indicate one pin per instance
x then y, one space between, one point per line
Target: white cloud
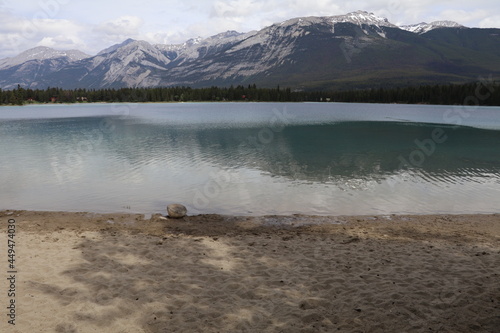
52 27
122 27
465 17
63 42
18 34
236 8
490 22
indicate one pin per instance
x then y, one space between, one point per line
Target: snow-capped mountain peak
421 28
358 18
193 41
361 17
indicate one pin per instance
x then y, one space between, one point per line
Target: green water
251 158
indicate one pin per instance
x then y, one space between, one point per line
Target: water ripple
341 167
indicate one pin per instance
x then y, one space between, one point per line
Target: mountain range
356 50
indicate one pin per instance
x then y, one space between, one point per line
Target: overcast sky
93 25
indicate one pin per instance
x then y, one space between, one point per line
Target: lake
251 158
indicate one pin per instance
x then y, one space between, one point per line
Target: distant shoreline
484 93
236 102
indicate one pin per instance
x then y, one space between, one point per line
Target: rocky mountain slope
347 51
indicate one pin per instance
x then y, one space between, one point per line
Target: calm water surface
251 158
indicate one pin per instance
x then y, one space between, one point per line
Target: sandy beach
85 272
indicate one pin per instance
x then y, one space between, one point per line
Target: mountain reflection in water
341 167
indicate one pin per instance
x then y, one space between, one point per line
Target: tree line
478 93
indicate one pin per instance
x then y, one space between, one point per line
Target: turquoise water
251 158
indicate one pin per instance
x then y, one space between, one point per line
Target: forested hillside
476 93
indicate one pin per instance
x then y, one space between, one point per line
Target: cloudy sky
93 25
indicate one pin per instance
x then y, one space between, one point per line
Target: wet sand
85 272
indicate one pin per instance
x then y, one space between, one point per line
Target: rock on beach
176 211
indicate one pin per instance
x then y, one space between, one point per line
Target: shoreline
215 273
238 101
133 219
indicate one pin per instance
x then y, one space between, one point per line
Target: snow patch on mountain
422 28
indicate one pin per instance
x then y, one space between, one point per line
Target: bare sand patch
84 272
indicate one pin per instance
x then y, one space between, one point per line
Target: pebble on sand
176 211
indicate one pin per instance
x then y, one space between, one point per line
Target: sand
83 272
